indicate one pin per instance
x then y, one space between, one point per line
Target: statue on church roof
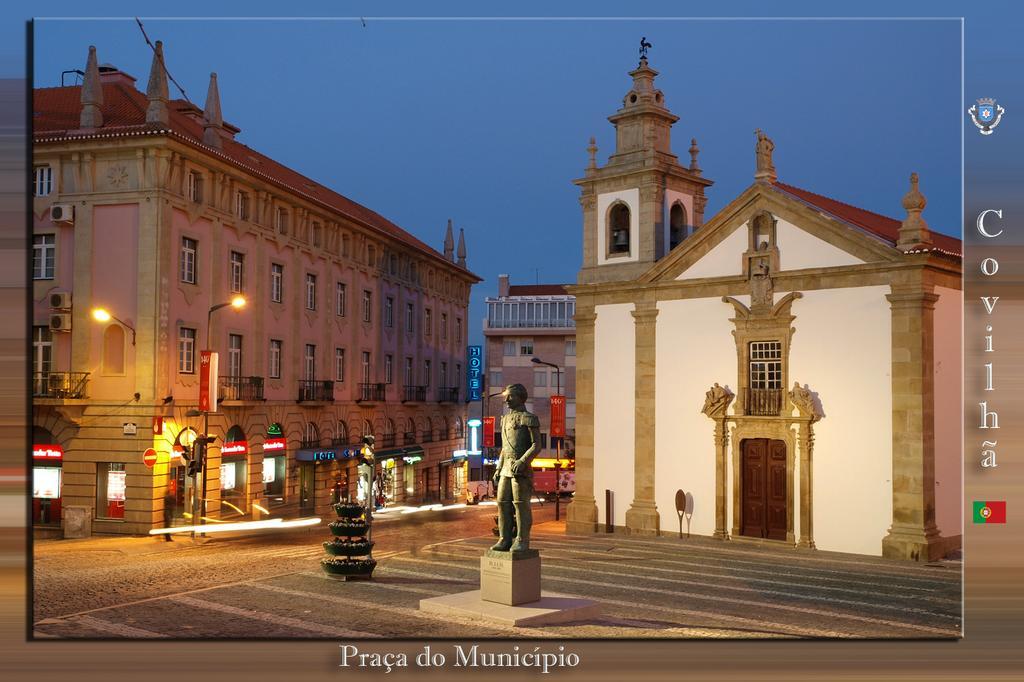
644 46
765 165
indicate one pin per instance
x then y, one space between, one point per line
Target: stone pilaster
806 491
913 534
721 498
581 515
642 516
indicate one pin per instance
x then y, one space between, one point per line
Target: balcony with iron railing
371 393
62 385
315 390
414 394
448 394
763 402
241 388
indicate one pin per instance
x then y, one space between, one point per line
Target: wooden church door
764 510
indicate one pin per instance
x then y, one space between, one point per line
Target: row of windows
512 314
524 347
311 433
187 272
187 361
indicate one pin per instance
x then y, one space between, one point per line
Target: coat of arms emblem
986 114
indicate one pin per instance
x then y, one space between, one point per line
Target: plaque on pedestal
510 578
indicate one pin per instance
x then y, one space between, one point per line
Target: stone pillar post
642 516
913 534
806 491
721 498
581 514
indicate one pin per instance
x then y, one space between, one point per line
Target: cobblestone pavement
648 587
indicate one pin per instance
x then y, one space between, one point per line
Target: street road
271 586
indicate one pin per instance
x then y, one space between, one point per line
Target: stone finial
156 89
213 122
92 94
914 231
763 152
449 243
694 151
592 151
462 249
806 402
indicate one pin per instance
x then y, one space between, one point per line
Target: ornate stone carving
117 176
806 401
762 289
717 401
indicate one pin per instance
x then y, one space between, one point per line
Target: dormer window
677 225
618 229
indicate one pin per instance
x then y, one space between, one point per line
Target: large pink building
149 208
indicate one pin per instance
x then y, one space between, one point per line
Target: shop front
275 466
308 460
47 467
234 459
396 475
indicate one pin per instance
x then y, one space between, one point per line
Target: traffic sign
149 457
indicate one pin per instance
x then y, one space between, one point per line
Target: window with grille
189 249
186 350
276 282
44 250
766 364
237 272
42 181
274 366
310 292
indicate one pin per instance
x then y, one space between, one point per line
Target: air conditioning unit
60 300
62 213
60 322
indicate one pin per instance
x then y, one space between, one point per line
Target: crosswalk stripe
402 611
908 572
731 600
119 629
271 618
794 630
568 553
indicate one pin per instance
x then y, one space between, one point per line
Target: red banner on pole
558 416
207 381
488 432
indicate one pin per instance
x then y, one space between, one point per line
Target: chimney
503 286
92 94
213 123
156 89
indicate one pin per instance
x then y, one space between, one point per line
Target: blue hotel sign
474 372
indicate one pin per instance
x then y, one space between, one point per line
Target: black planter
349 529
348 510
351 568
349 548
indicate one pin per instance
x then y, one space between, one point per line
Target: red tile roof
56 114
878 225
537 290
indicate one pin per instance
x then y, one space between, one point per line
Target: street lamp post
558 447
238 302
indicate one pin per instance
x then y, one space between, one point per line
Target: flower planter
348 548
348 528
348 510
350 568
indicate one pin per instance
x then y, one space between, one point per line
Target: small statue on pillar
762 289
763 151
717 401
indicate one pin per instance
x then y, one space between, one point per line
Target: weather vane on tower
644 45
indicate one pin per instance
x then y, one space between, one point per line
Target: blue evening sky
487 121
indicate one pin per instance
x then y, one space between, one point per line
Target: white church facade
788 371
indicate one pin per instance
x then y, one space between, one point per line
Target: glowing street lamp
102 315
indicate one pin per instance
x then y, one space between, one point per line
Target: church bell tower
642 203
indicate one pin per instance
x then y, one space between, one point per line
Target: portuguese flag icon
990 511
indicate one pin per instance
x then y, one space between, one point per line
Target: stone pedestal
510 578
510 594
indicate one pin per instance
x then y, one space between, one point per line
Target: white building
793 365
